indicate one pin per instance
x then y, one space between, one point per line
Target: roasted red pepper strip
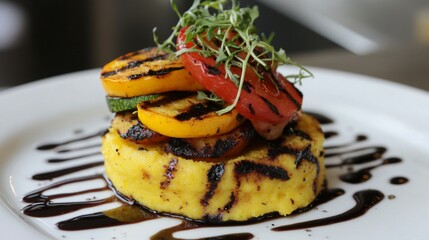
272 99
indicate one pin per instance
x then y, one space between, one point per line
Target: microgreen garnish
210 20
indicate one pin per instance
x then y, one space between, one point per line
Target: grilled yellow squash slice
147 71
277 176
183 115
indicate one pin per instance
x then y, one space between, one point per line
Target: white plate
391 115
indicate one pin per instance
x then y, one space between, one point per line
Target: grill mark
212 70
160 72
247 87
198 110
306 154
302 154
169 173
180 147
133 64
245 167
295 132
214 175
223 146
138 132
288 95
167 98
217 218
232 201
212 147
252 111
271 106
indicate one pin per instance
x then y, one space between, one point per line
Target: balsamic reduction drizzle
364 174
365 200
59 160
79 149
50 146
125 214
167 233
359 138
38 196
42 205
323 119
65 171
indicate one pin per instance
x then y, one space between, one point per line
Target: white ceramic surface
391 115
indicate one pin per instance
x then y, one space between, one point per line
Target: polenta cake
206 128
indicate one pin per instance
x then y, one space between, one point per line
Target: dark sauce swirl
365 200
346 154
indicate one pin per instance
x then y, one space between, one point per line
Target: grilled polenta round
268 177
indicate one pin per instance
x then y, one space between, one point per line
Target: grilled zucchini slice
116 104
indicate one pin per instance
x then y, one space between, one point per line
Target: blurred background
382 38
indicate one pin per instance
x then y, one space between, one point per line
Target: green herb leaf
210 19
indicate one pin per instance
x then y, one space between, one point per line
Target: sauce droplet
399 180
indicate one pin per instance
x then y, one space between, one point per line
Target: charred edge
214 175
181 148
198 110
212 218
245 167
160 72
252 111
249 131
239 117
138 132
169 173
212 70
222 146
271 106
133 64
289 96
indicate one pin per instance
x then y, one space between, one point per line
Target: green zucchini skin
117 104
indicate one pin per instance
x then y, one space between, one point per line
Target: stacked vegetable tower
206 128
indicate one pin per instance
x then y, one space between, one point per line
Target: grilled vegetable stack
209 139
